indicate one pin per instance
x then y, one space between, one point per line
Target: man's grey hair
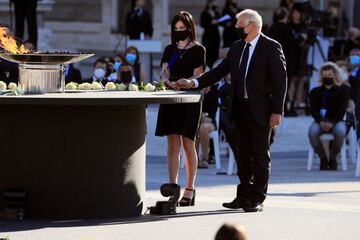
251 16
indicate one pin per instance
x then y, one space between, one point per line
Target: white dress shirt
251 52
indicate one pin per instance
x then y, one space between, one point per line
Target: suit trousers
26 10
252 154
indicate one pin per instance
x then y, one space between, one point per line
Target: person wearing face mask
328 104
229 34
211 35
138 21
257 67
354 80
125 74
132 57
184 57
100 72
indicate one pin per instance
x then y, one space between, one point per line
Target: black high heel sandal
186 202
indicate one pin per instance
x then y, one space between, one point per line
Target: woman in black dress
183 58
211 36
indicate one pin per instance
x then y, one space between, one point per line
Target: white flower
149 87
71 86
133 87
121 87
110 86
2 86
85 86
97 86
12 86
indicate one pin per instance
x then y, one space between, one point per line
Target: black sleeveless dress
181 119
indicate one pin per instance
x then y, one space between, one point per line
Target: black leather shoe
323 164
254 207
237 203
333 164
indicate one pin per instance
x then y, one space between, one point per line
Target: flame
9 44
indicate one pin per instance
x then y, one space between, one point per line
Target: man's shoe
254 207
333 164
237 203
323 164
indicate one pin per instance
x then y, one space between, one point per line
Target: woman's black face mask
126 76
182 35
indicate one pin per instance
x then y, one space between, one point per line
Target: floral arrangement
11 89
111 86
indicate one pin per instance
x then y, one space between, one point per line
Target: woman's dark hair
285 4
280 14
189 23
130 48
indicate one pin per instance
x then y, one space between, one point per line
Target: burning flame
9 44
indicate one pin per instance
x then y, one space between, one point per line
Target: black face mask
181 35
126 77
241 33
328 81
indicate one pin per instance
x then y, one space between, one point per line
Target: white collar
255 40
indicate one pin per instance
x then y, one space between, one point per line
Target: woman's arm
198 72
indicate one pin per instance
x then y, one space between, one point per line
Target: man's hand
275 120
183 84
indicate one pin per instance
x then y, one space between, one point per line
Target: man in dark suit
72 74
258 88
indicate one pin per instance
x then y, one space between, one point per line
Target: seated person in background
119 59
354 80
101 69
231 232
132 57
111 75
328 104
350 109
72 74
9 71
125 74
207 124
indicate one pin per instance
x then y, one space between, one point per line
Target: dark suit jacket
266 80
74 75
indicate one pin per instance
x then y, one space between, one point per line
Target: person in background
9 71
119 60
229 33
288 4
297 86
72 74
230 231
207 123
132 57
111 72
354 80
101 69
125 74
328 104
138 21
353 40
281 32
211 35
26 9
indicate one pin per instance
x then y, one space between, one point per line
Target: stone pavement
301 204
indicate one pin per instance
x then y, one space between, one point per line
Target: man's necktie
242 72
